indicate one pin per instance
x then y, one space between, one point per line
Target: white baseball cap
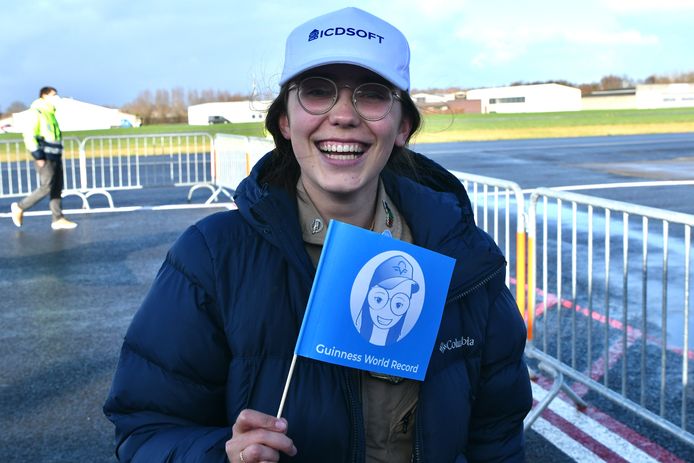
349 36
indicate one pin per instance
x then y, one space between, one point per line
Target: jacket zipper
353 403
477 285
417 454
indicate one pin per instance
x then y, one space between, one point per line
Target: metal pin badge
316 226
389 214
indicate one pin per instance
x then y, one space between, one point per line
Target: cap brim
397 81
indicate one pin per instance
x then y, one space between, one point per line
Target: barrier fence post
521 271
83 166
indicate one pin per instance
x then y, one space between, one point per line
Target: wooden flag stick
286 387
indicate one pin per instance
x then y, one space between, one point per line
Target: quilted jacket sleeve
504 396
167 396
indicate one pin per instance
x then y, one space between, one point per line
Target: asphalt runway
599 161
68 296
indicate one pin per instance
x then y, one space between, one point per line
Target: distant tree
162 106
178 103
171 106
587 89
541 82
682 77
613 82
16 107
142 106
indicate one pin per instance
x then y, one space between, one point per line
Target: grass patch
470 127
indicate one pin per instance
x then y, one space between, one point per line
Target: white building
664 96
527 98
623 98
75 115
231 111
647 96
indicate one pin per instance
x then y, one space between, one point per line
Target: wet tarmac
66 300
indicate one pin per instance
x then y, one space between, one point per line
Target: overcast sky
107 52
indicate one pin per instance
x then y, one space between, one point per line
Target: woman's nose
344 113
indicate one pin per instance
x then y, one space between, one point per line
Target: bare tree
16 107
178 104
612 82
142 106
171 106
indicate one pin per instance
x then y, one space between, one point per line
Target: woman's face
339 153
387 306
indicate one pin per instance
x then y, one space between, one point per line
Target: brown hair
283 169
46 91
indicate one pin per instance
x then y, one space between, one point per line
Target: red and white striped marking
592 436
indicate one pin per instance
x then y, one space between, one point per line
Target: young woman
205 359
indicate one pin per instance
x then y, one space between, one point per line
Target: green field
464 127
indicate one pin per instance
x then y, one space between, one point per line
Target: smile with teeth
341 150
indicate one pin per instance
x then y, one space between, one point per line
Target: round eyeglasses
318 95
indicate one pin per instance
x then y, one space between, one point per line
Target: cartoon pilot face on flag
389 297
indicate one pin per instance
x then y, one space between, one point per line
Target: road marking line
106 210
583 438
563 442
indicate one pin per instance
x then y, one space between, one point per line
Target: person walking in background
43 139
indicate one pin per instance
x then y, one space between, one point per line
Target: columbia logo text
348 31
456 344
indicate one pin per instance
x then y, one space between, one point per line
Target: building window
518 99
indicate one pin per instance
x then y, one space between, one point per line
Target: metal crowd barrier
233 158
504 202
607 318
18 176
127 161
101 164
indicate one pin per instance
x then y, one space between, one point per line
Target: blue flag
376 303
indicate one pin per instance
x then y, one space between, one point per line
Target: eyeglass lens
318 95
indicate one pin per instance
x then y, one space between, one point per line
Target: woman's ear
284 126
403 132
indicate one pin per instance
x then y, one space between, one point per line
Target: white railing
233 158
607 316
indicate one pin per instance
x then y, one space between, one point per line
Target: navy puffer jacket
216 335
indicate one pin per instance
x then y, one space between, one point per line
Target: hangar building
76 115
527 98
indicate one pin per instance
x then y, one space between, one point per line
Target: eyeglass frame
391 91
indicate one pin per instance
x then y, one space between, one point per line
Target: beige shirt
388 408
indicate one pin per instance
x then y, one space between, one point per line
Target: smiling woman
203 362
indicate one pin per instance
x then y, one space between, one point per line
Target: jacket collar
435 206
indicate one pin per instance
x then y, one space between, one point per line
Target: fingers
258 452
252 419
260 437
